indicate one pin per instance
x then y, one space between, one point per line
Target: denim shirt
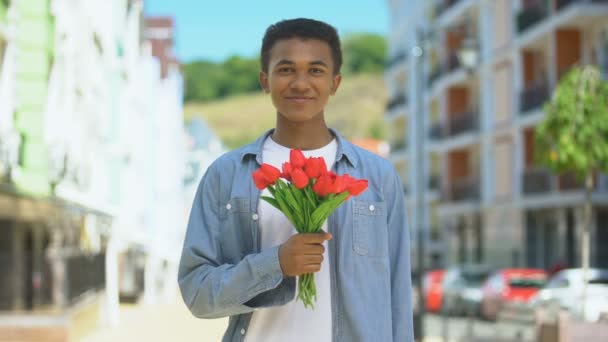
223 272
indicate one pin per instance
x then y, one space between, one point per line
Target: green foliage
206 81
364 52
574 134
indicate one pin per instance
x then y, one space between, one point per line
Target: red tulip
357 186
287 171
340 184
299 178
315 167
297 159
323 185
266 175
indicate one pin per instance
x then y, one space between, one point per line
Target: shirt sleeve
399 253
209 287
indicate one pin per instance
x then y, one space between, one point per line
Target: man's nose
300 82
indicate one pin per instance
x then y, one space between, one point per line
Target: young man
241 256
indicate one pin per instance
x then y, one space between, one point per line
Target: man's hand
302 253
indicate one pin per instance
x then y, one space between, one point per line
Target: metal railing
396 59
444 6
398 145
84 273
464 122
560 4
396 101
531 15
534 96
536 180
434 182
466 189
436 132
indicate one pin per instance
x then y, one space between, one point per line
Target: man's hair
302 28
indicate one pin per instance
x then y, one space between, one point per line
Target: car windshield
527 282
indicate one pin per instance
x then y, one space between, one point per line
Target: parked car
433 290
565 291
508 286
461 289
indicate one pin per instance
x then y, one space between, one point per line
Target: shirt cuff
268 268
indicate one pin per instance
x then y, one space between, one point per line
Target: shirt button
243 331
372 208
254 217
228 206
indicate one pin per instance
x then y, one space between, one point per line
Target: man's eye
285 70
316 71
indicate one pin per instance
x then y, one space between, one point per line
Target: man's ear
264 82
337 80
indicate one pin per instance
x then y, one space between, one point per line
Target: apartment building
486 199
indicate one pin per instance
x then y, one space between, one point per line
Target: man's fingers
312 259
316 237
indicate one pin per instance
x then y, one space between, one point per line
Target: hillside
356 110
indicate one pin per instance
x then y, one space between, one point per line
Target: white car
565 291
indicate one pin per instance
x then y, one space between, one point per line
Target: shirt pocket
235 232
370 228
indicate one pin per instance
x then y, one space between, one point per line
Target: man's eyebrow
285 61
319 63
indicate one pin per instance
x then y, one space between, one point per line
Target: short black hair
301 28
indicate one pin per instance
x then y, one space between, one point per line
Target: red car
433 290
510 285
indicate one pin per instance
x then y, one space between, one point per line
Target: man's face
300 78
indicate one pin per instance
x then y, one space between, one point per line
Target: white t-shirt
292 321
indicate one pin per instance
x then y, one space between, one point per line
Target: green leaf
271 201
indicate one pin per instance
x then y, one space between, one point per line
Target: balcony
436 132
434 182
396 101
560 4
463 123
534 96
398 146
531 15
396 59
443 6
536 180
466 189
453 62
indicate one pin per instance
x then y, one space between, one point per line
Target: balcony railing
453 62
462 123
84 273
531 15
536 180
444 6
436 72
396 102
436 132
534 96
434 182
396 59
560 4
462 190
398 145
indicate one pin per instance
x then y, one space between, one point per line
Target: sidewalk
171 322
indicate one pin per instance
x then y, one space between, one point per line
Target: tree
574 137
364 52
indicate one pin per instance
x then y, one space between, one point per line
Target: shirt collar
345 148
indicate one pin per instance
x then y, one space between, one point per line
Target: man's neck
302 135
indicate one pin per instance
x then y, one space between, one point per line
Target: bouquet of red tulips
307 193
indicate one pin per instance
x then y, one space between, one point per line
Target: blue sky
217 29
